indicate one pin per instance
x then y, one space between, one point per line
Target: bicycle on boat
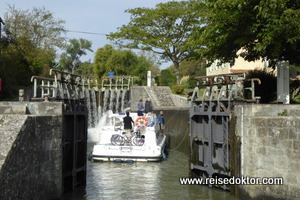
121 139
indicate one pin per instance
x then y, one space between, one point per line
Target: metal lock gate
210 122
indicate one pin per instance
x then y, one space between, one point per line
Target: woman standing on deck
140 108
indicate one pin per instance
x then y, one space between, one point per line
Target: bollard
21 95
257 100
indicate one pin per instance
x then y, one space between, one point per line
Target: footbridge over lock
115 92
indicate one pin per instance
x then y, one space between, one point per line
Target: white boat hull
109 152
151 151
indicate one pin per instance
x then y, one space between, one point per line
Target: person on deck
148 106
140 108
161 121
128 124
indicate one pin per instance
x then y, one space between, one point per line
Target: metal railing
63 85
114 82
227 87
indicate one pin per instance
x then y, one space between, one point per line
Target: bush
178 89
192 82
295 91
268 87
166 78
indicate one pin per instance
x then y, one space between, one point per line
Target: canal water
157 180
151 180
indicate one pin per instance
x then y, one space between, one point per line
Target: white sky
96 16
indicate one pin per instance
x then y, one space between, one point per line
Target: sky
93 16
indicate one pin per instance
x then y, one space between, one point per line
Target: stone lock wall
161 96
177 129
31 154
270 147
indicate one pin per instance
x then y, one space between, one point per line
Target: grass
187 90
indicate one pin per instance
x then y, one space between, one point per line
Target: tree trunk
176 66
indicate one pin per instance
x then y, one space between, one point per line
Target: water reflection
160 180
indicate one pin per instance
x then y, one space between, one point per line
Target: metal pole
0 28
1 22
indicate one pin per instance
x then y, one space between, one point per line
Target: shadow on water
153 180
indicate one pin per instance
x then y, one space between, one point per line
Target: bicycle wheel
112 139
138 141
119 140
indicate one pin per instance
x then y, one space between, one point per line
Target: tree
151 57
122 62
166 78
70 59
33 35
28 45
164 30
262 28
192 69
268 87
100 59
86 69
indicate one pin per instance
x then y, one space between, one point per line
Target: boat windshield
113 121
151 119
118 120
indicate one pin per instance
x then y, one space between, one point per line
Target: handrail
63 85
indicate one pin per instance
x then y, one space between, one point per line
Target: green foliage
296 99
151 57
295 91
164 30
101 58
166 78
70 59
86 69
178 89
33 35
283 113
192 82
27 46
8 75
122 62
263 28
268 87
192 68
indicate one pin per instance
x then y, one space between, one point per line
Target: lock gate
75 93
210 122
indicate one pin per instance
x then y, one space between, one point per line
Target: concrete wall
270 147
177 130
181 101
31 151
161 96
137 93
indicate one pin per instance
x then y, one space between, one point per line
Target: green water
157 180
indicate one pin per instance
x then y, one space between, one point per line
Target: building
240 65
